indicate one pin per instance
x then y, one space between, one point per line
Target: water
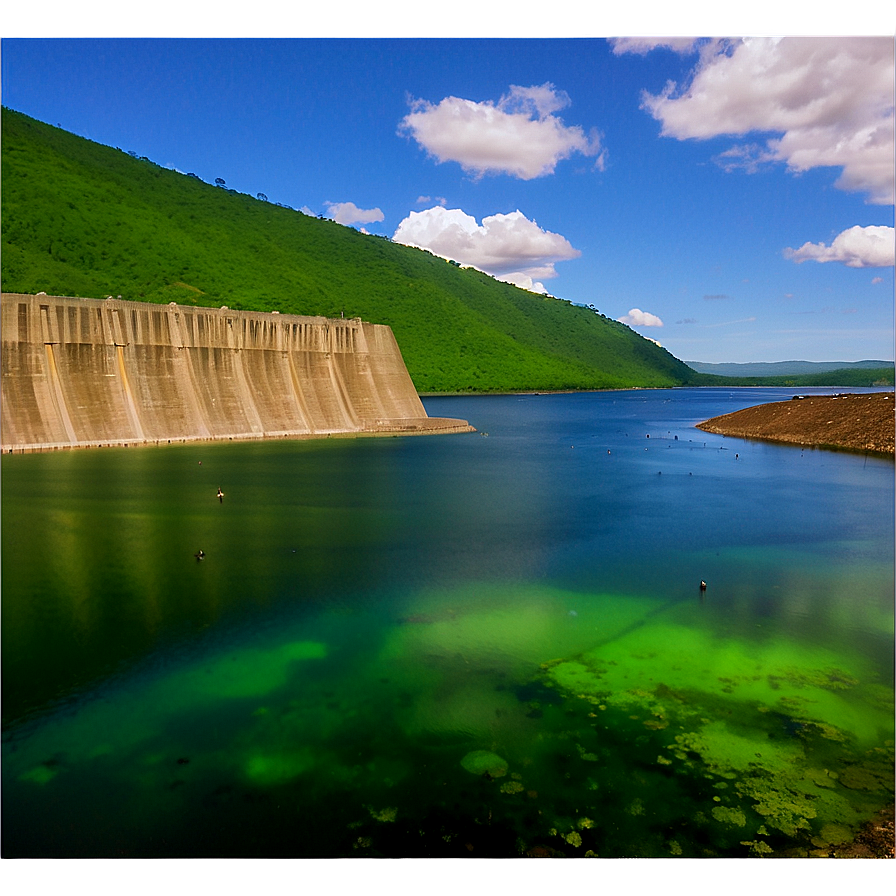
456 646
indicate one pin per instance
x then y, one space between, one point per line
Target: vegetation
772 747
846 376
84 219
783 368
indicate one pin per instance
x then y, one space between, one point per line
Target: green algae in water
134 720
723 751
512 787
874 775
515 626
302 741
832 835
739 727
251 672
386 815
727 815
668 665
758 847
269 769
482 762
41 774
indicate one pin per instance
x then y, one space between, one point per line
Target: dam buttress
80 373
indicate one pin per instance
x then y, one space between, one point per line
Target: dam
80 373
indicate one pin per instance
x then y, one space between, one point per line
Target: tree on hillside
220 182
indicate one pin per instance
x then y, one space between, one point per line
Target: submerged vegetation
776 777
431 745
83 219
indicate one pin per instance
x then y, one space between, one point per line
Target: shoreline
643 389
450 427
855 422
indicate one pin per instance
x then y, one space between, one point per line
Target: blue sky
745 214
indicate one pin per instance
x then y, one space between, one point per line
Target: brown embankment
90 372
859 422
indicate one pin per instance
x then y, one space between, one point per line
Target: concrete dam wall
91 372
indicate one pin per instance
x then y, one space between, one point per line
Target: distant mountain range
784 368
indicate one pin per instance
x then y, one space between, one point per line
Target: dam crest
80 373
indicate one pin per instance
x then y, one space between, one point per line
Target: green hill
83 219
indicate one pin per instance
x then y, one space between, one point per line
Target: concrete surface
90 372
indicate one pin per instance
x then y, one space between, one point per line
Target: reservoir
491 644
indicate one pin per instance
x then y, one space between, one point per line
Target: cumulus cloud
830 98
858 247
638 318
349 213
509 247
519 135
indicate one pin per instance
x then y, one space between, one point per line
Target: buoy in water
702 585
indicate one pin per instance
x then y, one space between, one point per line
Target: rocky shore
854 422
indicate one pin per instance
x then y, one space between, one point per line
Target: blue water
487 644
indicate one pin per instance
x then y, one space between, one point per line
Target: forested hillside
82 219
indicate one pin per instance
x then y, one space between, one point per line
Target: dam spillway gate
82 372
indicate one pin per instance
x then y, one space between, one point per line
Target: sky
730 198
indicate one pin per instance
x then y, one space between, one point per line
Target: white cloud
643 45
638 318
831 99
858 247
509 247
749 157
349 213
519 135
524 280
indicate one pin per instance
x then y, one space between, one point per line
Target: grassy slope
88 220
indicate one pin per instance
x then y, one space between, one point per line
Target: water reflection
371 612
